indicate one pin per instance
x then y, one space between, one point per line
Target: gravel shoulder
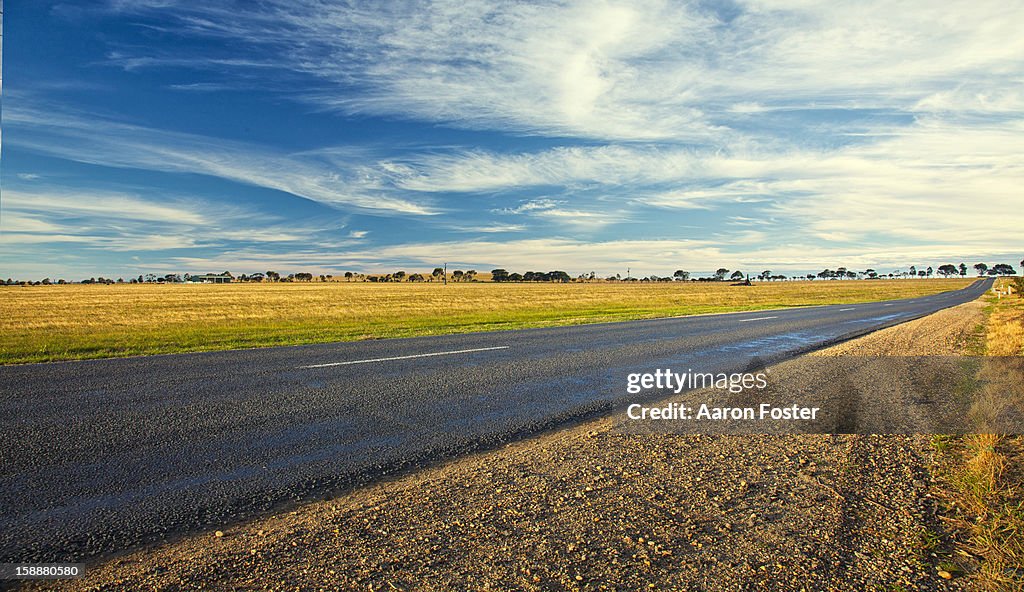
589 508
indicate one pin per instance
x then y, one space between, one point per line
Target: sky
171 136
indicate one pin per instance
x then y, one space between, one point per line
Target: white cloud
14 221
576 218
532 205
98 204
491 228
488 171
581 219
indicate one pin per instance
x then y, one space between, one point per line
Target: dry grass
1006 329
46 323
984 474
988 508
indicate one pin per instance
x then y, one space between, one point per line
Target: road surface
99 456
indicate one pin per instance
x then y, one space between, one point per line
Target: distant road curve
99 456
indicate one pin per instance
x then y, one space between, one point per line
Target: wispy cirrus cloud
918 178
105 205
114 221
101 141
654 70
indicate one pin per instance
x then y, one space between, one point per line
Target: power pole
445 274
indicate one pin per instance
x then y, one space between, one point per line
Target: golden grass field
45 323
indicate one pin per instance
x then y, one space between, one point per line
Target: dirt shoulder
588 508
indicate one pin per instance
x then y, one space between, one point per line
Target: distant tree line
504 276
501 275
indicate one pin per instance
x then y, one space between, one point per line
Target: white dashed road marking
444 353
757 319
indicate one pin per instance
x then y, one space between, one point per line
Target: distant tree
981 268
416 277
273 276
1003 269
765 275
841 272
457 275
913 270
810 276
498 275
921 273
514 277
871 273
348 276
947 270
929 271
46 281
470 275
681 275
720 273
736 275
962 269
399 276
438 273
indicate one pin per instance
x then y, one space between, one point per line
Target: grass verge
983 477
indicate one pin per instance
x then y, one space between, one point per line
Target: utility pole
627 274
444 276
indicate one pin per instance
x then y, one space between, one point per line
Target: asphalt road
100 456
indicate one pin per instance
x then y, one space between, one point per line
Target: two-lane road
102 455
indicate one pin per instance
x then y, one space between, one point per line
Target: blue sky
300 135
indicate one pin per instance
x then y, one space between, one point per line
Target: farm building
213 278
